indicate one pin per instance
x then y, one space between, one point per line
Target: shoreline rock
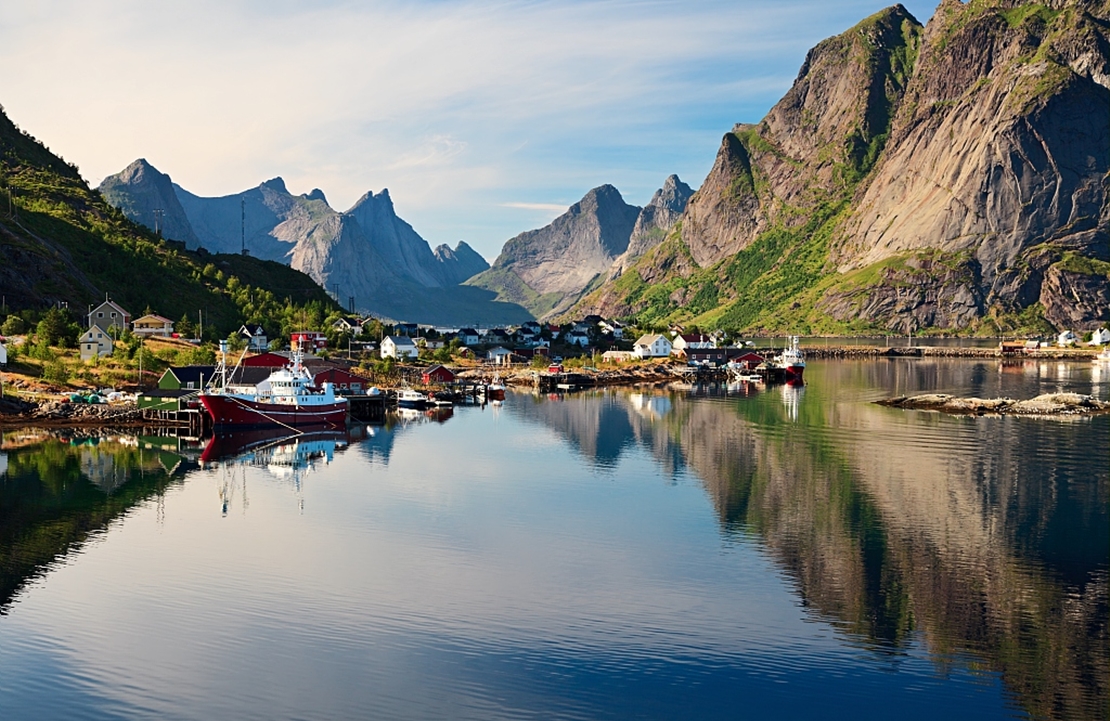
1049 404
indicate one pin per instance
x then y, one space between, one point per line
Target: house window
189 385
99 315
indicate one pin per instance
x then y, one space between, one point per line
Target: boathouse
341 379
438 374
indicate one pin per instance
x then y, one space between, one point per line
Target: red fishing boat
288 397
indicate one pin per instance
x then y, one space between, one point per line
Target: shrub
55 372
13 325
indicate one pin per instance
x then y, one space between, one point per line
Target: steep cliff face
817 140
654 222
147 196
910 178
1000 154
460 263
549 268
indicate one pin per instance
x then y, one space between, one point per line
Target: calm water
795 552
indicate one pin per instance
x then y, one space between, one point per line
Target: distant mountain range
367 252
950 176
548 270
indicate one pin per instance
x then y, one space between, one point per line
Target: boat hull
233 411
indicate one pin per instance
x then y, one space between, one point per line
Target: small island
1049 404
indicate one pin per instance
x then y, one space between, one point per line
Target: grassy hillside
60 242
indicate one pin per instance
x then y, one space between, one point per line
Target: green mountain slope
62 243
951 177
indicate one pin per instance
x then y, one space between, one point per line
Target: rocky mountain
367 252
548 269
654 222
63 245
147 196
951 176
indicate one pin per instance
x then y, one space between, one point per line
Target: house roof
111 304
253 329
438 367
399 340
191 374
650 338
467 331
154 317
694 337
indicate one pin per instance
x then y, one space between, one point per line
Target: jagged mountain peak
277 184
316 194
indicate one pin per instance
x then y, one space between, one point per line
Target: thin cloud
547 207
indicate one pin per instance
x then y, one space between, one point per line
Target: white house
652 345
1066 338
95 342
3 355
153 324
578 339
1100 337
256 337
499 356
109 314
399 347
693 341
469 336
614 328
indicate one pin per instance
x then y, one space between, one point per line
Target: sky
483 119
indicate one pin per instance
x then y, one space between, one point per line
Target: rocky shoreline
1049 404
18 413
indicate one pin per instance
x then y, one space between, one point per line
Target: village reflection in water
986 539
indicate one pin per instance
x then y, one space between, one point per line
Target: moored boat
495 391
792 361
409 398
288 397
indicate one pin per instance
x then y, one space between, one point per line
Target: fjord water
712 553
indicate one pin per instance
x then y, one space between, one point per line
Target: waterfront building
652 345
398 347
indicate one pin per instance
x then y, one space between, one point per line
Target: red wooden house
438 374
343 381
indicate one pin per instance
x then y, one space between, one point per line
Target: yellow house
95 342
153 325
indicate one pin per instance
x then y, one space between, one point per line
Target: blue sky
484 119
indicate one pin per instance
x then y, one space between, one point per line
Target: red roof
266 360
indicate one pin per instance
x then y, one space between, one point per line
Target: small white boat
1104 356
408 398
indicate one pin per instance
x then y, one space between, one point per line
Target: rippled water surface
712 553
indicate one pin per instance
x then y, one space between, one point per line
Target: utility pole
351 304
243 224
158 221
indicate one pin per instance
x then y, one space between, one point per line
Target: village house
613 328
94 342
687 341
499 356
617 356
109 314
398 348
468 336
531 326
652 345
309 340
344 382
706 356
577 338
153 325
347 324
186 377
1066 338
438 374
256 337
406 329
1100 337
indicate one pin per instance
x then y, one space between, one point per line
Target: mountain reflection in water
525 560
988 536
